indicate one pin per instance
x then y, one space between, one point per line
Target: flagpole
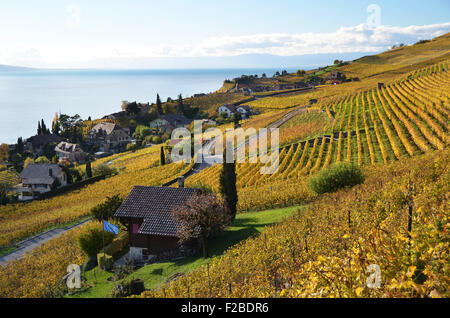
103 237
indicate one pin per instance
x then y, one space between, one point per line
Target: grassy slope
400 60
245 225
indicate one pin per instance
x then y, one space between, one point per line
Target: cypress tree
159 104
180 105
39 130
227 186
19 148
163 157
88 170
44 129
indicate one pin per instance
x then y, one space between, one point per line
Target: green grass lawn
245 225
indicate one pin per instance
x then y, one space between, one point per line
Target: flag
110 227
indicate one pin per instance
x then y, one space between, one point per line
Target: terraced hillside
326 250
405 119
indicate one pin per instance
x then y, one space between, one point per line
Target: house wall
154 244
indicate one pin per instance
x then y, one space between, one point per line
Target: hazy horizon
179 34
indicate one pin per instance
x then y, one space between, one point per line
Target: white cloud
361 38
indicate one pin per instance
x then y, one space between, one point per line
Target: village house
40 178
110 137
148 213
37 143
227 109
244 110
335 77
297 85
170 122
230 109
72 152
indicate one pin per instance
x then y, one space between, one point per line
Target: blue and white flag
110 227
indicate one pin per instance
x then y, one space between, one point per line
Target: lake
29 96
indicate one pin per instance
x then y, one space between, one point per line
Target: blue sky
77 33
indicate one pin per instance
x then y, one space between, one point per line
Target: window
135 228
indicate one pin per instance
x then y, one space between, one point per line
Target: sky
132 33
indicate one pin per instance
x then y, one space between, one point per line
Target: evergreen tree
163 157
227 186
43 127
39 130
88 170
159 104
180 106
19 147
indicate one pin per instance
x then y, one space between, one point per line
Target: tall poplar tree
159 104
227 186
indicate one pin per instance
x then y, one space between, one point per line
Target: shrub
91 240
337 176
131 147
42 159
103 170
156 139
121 290
117 246
106 209
105 261
89 264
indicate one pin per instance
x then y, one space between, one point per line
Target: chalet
244 110
227 109
170 122
37 143
40 178
72 152
230 109
110 137
335 75
151 226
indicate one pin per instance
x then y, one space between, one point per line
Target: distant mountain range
267 61
7 68
262 61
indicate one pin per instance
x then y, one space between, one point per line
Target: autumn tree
202 216
4 152
106 209
5 186
55 125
